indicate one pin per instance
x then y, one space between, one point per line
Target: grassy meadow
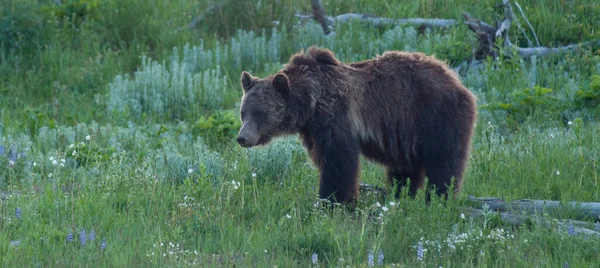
118 125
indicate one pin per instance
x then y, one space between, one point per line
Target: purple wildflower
420 251
1 150
371 261
18 213
571 229
82 237
92 235
15 243
12 155
315 258
380 258
103 244
566 265
70 236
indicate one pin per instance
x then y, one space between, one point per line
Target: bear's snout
242 141
247 137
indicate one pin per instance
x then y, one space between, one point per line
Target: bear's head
264 109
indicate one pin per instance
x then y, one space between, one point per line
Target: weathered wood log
379 21
531 206
570 227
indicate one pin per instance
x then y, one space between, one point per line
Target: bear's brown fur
407 111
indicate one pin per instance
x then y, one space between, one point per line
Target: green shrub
220 126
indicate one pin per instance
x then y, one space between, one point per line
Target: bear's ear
247 80
281 83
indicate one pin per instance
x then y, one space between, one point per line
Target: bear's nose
242 140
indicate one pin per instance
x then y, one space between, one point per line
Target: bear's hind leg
440 173
400 180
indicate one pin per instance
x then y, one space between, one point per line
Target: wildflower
15 243
420 251
569 123
70 236
462 216
253 174
11 163
82 237
50 175
1 150
384 208
18 213
377 204
72 145
190 171
571 229
380 258
92 235
288 216
370 261
103 244
557 172
34 164
392 204
315 258
74 153
54 162
88 137
236 184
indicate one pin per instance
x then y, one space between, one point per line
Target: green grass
160 186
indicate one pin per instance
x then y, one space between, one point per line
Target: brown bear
407 111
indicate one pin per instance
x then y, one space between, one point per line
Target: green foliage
529 101
590 95
75 10
221 126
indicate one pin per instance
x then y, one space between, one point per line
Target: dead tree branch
319 15
200 18
537 41
489 34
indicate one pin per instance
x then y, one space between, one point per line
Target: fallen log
531 206
570 227
327 22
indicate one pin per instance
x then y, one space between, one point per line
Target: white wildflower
190 171
253 174
288 216
88 137
569 123
72 145
74 153
392 204
54 162
384 208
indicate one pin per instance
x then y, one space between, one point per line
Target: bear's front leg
338 153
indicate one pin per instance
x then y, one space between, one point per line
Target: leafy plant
219 126
590 95
527 102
